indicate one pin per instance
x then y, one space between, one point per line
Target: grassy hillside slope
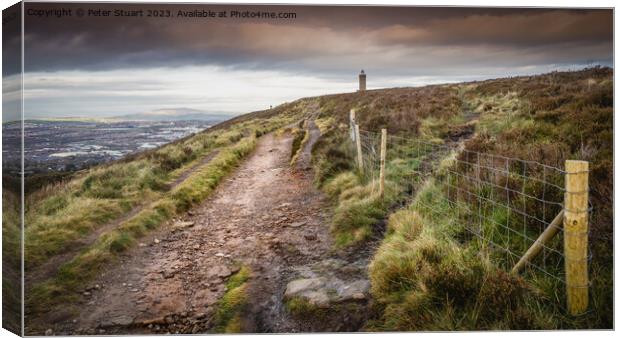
428 273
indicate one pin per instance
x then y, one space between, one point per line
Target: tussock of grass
359 209
406 223
325 123
302 308
423 280
342 182
300 137
228 316
48 235
434 129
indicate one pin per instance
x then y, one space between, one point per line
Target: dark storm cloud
323 40
11 39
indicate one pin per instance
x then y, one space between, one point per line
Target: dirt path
267 216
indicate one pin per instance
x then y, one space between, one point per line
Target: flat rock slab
298 224
182 224
300 286
219 271
357 290
117 321
322 292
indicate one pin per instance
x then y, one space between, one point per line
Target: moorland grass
429 273
228 316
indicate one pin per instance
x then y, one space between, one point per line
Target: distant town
63 146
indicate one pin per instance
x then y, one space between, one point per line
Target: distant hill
174 114
166 114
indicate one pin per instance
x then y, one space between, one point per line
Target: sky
99 66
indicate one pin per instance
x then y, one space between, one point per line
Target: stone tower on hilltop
362 81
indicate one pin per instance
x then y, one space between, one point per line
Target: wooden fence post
382 170
576 236
358 142
352 124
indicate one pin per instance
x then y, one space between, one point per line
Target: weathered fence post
352 124
576 236
382 170
358 142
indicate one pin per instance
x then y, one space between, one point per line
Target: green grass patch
302 308
424 280
228 316
426 276
359 208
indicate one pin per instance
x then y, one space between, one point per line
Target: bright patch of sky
211 89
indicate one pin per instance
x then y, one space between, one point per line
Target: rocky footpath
267 217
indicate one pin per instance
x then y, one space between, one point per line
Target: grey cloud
323 40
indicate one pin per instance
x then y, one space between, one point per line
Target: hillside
430 272
174 114
413 246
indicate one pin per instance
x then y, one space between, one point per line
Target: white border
469 3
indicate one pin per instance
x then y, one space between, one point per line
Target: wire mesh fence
502 203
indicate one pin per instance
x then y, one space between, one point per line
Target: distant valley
73 144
